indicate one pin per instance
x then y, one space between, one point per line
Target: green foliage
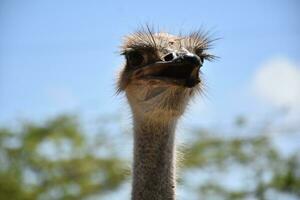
54 161
288 178
255 156
213 150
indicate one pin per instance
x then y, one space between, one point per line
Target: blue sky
62 56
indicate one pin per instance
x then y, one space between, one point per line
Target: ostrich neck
154 165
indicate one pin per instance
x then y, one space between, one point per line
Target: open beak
182 69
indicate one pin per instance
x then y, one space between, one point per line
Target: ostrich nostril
168 57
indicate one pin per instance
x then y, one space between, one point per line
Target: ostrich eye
135 58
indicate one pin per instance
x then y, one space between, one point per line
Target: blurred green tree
55 160
260 167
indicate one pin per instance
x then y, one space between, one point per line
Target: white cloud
277 82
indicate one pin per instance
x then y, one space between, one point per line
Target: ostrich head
162 72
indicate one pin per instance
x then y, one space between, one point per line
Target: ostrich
160 76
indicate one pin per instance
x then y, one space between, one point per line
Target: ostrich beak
182 69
